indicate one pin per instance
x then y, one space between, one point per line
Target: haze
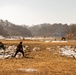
31 12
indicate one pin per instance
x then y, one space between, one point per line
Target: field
42 62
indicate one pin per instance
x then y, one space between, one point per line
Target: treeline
10 29
55 30
46 29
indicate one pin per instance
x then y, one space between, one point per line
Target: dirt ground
45 62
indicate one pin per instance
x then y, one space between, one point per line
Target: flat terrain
44 62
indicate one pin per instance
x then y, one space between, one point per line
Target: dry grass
46 62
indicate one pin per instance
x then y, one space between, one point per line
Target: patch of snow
19 55
5 56
68 51
59 41
1 37
36 49
28 69
48 48
47 41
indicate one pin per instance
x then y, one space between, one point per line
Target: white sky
31 12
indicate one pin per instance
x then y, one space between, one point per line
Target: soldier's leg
22 53
16 53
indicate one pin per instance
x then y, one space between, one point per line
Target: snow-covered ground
68 51
59 41
10 51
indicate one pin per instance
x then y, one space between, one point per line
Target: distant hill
10 29
55 30
45 29
49 30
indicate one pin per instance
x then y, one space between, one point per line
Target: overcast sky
31 12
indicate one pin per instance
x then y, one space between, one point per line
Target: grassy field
44 61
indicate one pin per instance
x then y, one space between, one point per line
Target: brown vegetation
46 62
